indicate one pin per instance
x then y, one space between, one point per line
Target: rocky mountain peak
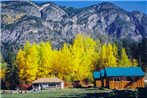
23 21
44 6
105 5
47 5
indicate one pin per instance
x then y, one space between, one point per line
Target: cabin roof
129 71
102 72
48 80
96 75
119 71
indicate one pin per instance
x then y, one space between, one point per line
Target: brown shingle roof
47 80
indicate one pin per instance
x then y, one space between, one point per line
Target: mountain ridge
59 24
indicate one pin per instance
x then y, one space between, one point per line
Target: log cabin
120 78
98 80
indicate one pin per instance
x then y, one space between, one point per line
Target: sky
128 5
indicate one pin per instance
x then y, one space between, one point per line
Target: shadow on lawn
97 95
113 94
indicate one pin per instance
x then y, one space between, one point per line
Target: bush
25 86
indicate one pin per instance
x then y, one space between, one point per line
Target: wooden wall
126 84
105 83
98 83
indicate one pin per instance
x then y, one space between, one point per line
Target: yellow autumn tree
71 62
84 55
32 62
124 61
66 61
27 61
103 56
20 61
62 63
2 70
77 54
115 51
45 57
56 63
111 58
134 62
108 55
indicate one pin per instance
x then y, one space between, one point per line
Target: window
117 79
137 78
129 78
123 78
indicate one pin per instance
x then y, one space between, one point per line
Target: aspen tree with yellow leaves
21 64
74 62
61 63
45 60
124 62
108 56
103 56
84 55
111 58
27 62
2 70
134 62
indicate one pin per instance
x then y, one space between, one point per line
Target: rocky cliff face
24 20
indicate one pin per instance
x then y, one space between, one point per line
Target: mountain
25 20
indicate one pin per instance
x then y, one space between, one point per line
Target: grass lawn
59 93
64 93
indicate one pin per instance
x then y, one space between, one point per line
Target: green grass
71 93
59 93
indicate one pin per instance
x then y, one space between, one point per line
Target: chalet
47 83
120 78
